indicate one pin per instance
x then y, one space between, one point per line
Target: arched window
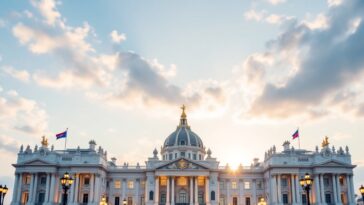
151 195
212 195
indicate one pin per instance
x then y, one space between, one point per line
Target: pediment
36 162
182 164
333 163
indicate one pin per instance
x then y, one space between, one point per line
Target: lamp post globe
361 189
306 183
124 201
3 191
66 182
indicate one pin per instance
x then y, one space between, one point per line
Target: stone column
351 187
75 200
47 190
156 198
16 189
172 196
293 193
334 188
92 188
322 189
72 191
35 186
254 192
137 191
191 190
338 188
228 185
348 189
207 190
19 189
279 194
316 182
274 189
168 193
146 192
52 189
298 193
123 189
97 188
196 191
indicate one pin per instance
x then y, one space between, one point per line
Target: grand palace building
183 172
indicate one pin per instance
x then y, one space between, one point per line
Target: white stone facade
184 174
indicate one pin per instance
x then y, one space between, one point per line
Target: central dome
183 136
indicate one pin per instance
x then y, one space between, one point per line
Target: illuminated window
234 185
130 185
163 181
27 179
246 185
117 184
182 181
200 181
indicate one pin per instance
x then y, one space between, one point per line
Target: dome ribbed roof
183 136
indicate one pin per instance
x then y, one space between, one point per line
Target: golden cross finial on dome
183 116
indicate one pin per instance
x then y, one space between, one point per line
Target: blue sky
250 72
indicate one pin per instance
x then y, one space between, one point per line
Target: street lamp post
306 183
3 191
361 189
66 182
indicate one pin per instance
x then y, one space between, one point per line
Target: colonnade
317 193
172 197
29 193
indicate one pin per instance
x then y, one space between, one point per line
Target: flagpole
65 141
299 140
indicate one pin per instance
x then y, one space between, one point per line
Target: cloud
21 75
321 63
9 144
334 2
18 113
116 37
275 2
263 16
48 10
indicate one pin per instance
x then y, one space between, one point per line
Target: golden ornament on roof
325 142
44 141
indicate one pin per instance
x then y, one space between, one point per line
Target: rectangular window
85 198
41 197
194 157
234 185
200 181
328 198
130 200
199 157
222 201
117 184
27 179
326 181
259 185
189 155
86 181
175 155
284 182
43 180
246 185
247 200
117 201
25 197
183 154
222 185
130 184
170 156
142 200
304 199
341 180
285 198
200 198
163 198
235 200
